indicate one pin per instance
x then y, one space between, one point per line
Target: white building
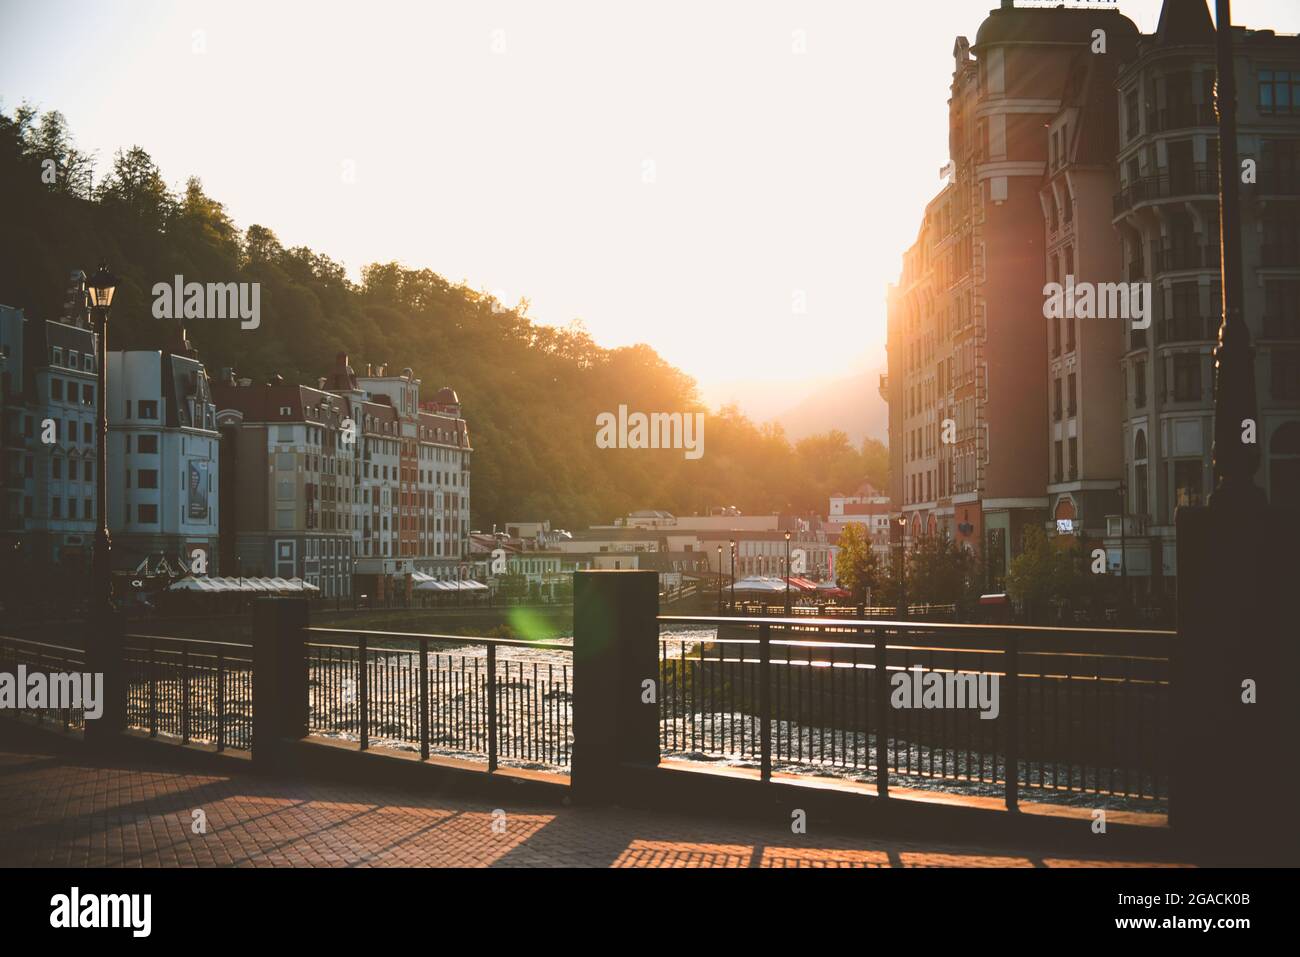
163 459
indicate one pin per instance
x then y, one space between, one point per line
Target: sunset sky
671 172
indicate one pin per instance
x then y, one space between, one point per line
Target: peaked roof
1184 22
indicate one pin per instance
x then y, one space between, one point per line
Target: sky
733 183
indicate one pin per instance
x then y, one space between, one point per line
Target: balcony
1187 329
1278 183
1188 256
1179 116
1191 182
1280 254
1281 327
884 386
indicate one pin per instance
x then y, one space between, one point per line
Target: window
1131 113
56 390
56 468
1279 91
56 508
73 392
1140 384
87 394
147 444
148 409
1187 378
1187 482
1285 374
1284 465
88 509
147 478
72 469
148 514
1071 393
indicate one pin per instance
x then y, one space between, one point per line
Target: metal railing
466 701
1080 711
46 658
197 691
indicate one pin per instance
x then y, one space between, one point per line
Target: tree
856 565
940 572
136 188
1041 574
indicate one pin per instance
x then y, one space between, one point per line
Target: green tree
856 565
940 572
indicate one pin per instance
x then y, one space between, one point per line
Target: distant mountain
853 405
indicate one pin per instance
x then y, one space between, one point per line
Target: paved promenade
58 810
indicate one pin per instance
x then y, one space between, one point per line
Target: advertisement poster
198 489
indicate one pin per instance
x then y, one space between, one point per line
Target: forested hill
530 392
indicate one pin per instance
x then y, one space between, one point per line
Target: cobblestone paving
57 810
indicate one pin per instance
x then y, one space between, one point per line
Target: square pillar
279 676
615 651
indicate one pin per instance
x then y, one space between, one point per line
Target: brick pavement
59 810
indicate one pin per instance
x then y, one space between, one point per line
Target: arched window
1284 465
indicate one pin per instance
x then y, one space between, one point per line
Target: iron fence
197 691
1078 711
471 700
45 658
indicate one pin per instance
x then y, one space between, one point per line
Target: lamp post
787 574
1122 488
902 567
733 576
100 288
719 579
1235 461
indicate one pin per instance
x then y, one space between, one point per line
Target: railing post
363 691
882 717
424 699
153 690
765 699
106 655
185 696
1011 714
492 706
280 688
221 700
615 663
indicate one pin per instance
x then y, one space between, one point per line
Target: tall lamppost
787 574
719 579
100 288
902 567
733 576
1122 488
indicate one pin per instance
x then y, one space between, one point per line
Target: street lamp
787 574
1122 489
733 576
100 288
902 567
719 579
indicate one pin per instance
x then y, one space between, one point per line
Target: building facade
1166 215
163 460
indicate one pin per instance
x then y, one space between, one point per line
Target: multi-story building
1166 213
430 485
163 459
1085 459
51 442
967 349
13 444
289 504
